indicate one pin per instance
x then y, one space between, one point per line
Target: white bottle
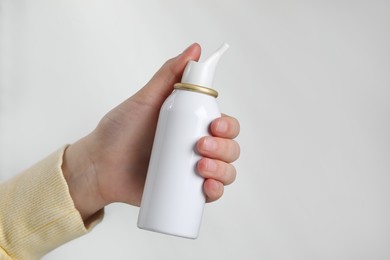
173 197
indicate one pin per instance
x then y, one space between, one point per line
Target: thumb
161 84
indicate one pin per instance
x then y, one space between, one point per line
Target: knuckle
226 173
234 151
237 128
233 126
233 173
230 174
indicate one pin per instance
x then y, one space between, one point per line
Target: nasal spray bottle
173 198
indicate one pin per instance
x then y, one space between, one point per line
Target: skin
110 164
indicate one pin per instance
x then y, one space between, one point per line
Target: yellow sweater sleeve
37 213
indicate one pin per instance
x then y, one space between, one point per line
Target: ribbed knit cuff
37 213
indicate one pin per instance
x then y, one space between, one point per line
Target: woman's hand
110 164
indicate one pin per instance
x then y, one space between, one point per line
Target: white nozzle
202 73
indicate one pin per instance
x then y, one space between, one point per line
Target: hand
110 164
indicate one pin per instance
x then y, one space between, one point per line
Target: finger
213 190
161 84
217 170
225 126
222 149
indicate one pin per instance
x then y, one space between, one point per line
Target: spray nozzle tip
223 48
202 73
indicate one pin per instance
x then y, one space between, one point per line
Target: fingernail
211 166
221 126
209 144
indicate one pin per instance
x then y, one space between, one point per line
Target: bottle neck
196 88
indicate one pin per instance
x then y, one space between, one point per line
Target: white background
308 80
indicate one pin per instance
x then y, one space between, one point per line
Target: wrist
79 173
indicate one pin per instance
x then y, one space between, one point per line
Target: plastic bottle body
173 198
